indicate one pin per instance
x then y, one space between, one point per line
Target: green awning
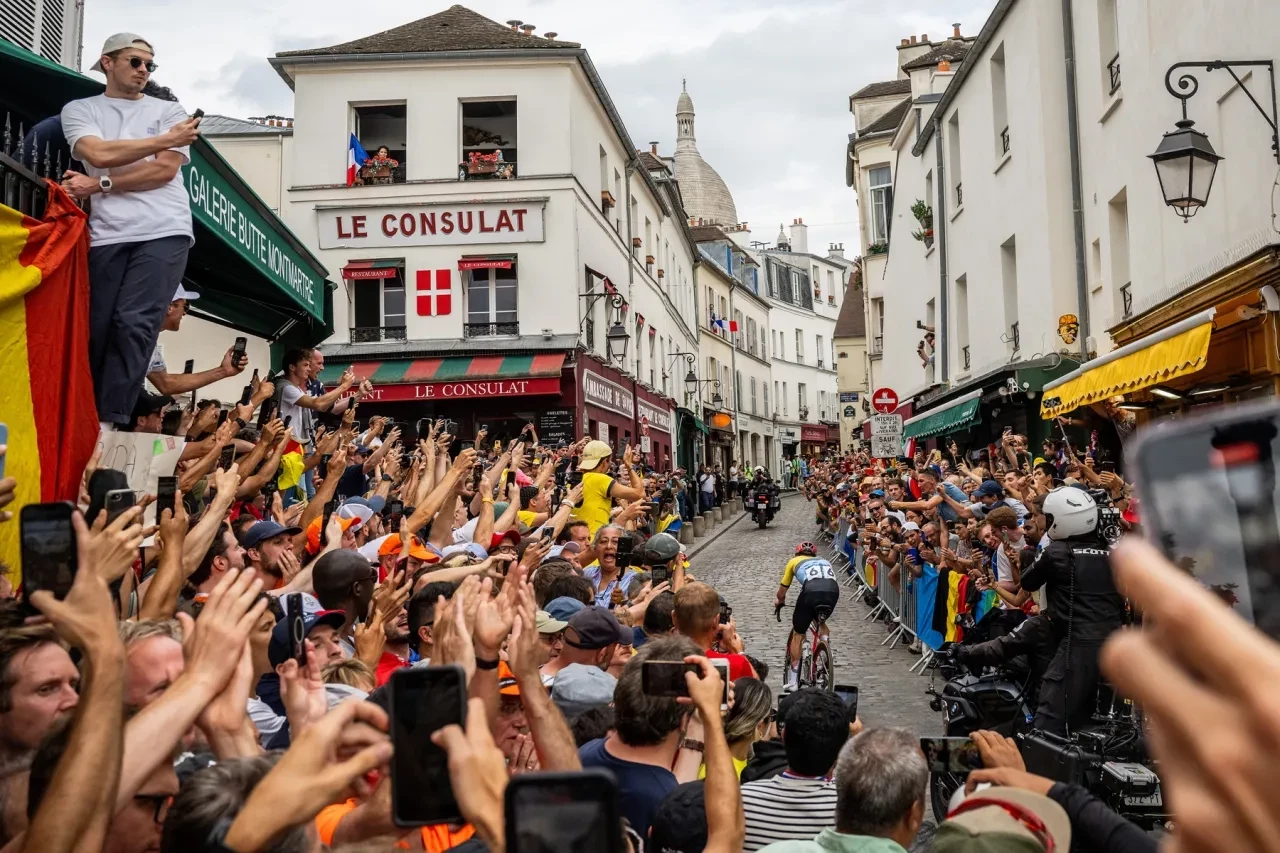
955 415
251 271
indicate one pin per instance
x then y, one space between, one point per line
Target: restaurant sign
389 226
462 390
600 392
659 419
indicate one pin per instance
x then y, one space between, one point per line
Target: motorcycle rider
818 586
761 482
1082 605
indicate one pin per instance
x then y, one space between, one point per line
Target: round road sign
885 400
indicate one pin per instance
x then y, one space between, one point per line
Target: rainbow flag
46 390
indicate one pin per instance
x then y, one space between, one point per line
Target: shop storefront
657 439
721 441
813 440
789 441
1212 345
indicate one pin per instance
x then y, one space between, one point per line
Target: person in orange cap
389 555
349 528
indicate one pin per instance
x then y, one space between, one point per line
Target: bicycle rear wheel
824 672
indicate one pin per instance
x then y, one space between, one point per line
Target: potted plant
924 215
880 248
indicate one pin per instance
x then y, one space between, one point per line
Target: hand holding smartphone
166 493
564 812
297 629
50 554
423 701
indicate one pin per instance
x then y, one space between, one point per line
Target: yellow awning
1177 351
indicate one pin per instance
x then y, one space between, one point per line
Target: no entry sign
885 401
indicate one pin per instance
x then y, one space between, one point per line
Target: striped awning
1181 349
454 368
956 415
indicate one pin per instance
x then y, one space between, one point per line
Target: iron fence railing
374 334
489 330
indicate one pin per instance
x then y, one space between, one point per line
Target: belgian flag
46 390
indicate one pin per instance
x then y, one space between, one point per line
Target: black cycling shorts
819 591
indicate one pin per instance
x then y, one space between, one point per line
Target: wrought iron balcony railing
489 330
374 334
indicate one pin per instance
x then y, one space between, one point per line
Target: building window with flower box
489 149
381 130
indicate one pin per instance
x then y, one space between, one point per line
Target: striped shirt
786 808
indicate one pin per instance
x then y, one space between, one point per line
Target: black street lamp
616 340
1185 160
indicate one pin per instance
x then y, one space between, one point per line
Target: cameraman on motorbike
1082 605
761 483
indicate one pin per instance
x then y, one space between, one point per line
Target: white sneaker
792 682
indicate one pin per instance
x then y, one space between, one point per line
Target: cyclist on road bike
818 586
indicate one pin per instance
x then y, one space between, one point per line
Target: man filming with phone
173 384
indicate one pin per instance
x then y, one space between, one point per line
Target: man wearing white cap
133 148
180 383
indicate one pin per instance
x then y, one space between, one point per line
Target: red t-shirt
388 664
739 666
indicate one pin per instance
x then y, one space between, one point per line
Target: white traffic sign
884 400
886 436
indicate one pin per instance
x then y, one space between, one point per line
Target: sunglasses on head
139 62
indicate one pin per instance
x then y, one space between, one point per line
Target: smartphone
329 509
228 457
190 366
726 613
1209 498
666 678
265 413
950 754
199 113
467 445
395 508
660 574
423 427
547 533
423 700
166 493
49 553
246 395
451 427
848 693
118 501
288 419
324 464
565 812
297 629
222 416
238 349
4 439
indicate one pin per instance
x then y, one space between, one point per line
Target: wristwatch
104 184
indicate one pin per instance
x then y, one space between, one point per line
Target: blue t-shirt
952 491
641 787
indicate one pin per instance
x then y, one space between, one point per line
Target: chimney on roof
924 38
913 39
653 148
551 36
904 43
514 24
944 66
836 251
800 237
955 32
528 29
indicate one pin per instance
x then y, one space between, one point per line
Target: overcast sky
770 79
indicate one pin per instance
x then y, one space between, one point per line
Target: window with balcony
818 353
999 103
880 185
753 395
378 303
737 389
1009 277
799 346
489 150
962 319
382 132
802 400
1109 45
492 301
784 398
953 139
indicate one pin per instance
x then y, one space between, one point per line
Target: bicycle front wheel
824 672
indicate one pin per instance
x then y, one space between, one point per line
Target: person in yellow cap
599 490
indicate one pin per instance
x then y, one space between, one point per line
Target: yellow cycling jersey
805 568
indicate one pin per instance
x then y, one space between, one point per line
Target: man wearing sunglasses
133 147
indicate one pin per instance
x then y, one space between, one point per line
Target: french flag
356 155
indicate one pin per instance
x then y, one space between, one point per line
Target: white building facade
50 28
485 260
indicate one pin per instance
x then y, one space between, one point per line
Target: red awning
365 269
484 264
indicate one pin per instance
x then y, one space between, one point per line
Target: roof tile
954 50
456 28
888 87
888 121
852 322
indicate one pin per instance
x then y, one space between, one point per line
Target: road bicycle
816 666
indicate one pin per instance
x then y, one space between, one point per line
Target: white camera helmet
1070 512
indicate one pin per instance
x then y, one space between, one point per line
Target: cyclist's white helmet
1070 512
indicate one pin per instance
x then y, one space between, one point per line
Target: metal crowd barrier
898 609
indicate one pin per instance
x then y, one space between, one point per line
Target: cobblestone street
745 563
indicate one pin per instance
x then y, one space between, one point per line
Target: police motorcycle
763 500
1106 755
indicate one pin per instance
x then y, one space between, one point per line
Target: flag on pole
356 155
47 394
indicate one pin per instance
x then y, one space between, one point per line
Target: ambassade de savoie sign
435 224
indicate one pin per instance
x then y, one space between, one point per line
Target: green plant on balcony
924 215
879 248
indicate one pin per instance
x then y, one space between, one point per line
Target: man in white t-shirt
133 148
296 404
